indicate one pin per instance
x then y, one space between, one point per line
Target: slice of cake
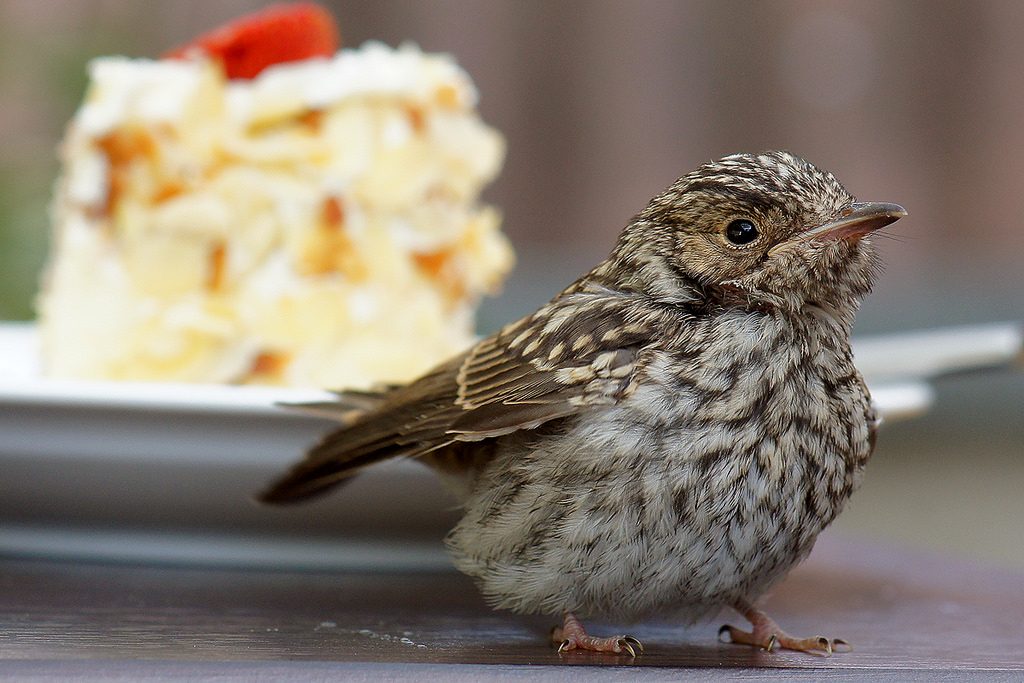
317 224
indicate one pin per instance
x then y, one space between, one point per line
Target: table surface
909 615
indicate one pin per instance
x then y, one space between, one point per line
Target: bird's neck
831 312
828 315
650 277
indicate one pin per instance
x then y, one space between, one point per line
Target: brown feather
506 383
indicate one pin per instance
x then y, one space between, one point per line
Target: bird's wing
580 350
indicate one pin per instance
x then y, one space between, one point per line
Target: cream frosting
319 225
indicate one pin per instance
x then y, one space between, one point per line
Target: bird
666 436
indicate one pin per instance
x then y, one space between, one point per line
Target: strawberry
286 32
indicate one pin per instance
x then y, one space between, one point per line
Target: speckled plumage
672 431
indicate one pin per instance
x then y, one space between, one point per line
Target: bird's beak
857 221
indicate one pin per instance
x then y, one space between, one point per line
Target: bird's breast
736 459
706 483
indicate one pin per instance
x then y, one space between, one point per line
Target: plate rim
25 386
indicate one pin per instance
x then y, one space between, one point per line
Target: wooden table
910 616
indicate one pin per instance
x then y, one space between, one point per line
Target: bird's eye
741 231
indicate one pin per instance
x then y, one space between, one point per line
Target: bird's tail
327 465
366 437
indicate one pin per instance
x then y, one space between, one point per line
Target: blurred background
604 103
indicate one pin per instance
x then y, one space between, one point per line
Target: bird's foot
572 636
767 635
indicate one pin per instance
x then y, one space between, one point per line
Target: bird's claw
828 646
572 636
619 645
840 645
779 640
767 635
631 645
616 644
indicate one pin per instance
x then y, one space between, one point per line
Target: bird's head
763 230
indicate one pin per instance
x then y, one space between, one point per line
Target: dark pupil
741 232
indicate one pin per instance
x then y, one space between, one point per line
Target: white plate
21 384
165 472
129 420
21 381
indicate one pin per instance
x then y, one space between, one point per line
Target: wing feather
545 367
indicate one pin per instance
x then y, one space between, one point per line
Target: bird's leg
766 634
571 636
